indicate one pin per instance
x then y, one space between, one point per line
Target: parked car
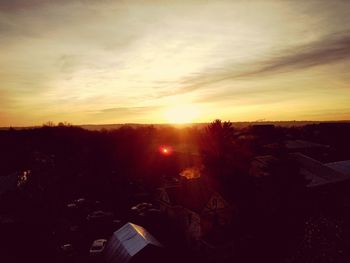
141 207
77 203
80 201
97 247
71 206
99 215
67 249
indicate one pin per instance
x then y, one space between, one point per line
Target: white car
80 200
71 206
141 207
97 247
67 250
99 215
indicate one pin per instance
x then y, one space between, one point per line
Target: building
132 243
342 167
312 149
320 174
328 184
261 165
267 176
198 210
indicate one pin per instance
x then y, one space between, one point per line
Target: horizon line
176 124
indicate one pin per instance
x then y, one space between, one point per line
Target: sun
181 114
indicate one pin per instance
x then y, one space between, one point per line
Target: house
320 174
263 170
328 184
132 243
301 145
312 149
265 133
316 150
261 165
342 167
197 209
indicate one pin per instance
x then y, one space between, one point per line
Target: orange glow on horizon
181 114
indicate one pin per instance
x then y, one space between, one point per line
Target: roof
341 167
128 241
265 160
192 194
300 144
261 165
318 173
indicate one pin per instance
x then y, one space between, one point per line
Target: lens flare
165 150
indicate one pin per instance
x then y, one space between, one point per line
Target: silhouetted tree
216 145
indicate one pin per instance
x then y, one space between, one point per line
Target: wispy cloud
22 5
328 50
124 114
129 110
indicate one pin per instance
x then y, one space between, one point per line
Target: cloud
13 5
325 51
127 109
328 50
21 5
125 113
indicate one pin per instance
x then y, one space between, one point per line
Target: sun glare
181 114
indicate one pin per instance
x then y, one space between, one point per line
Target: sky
152 61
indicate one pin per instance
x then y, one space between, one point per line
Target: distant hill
201 125
135 125
96 127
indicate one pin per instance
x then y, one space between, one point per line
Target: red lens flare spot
165 150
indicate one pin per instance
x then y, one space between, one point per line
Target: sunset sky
96 62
